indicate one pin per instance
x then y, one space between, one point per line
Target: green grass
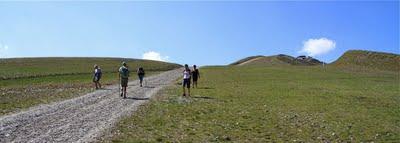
245 60
360 59
37 67
280 104
276 60
27 82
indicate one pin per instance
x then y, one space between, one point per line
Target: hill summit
369 59
280 59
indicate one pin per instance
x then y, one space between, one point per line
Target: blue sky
203 33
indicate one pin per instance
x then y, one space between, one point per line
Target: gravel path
82 119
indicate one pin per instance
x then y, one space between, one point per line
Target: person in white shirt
186 80
97 76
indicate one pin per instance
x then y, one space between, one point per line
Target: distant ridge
369 60
14 68
241 61
280 59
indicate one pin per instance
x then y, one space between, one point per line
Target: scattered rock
82 119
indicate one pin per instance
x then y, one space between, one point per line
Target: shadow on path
203 97
205 88
137 98
149 86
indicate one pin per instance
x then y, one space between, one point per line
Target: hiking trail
249 61
82 119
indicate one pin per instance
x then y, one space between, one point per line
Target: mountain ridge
368 60
280 59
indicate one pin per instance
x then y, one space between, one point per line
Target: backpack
124 72
99 73
141 71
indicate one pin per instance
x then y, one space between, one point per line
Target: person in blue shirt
123 76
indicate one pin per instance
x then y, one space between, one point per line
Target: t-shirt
195 73
186 74
97 72
123 72
140 72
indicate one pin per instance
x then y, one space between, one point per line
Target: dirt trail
82 119
249 61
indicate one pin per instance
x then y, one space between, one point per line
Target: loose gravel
83 119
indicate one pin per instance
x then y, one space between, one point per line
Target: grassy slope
31 81
370 60
276 60
245 60
34 67
267 61
261 104
262 61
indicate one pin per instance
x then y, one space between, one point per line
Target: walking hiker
195 75
186 80
97 76
140 73
123 76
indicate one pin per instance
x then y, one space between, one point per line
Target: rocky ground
82 119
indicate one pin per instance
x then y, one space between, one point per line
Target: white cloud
151 55
314 47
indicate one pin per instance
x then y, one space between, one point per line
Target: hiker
186 80
123 76
97 76
140 73
195 75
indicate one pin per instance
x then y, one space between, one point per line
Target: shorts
96 79
186 82
124 82
195 78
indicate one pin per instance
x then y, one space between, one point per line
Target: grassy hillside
369 60
34 67
246 59
26 82
272 104
276 60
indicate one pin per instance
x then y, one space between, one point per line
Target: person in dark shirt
195 76
140 73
